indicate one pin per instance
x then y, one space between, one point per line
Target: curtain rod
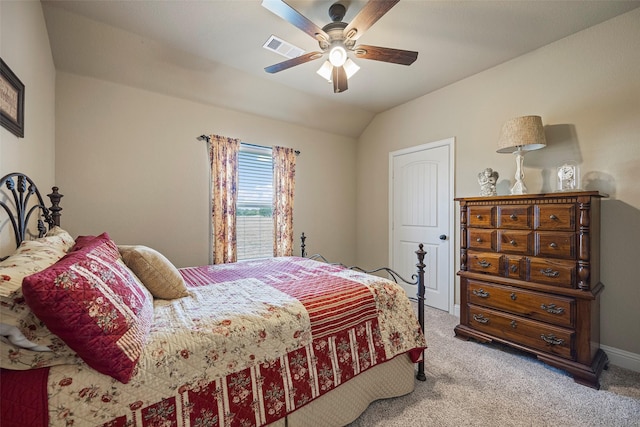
208 139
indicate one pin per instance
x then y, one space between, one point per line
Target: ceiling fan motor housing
335 29
337 12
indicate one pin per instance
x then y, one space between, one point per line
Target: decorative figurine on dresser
530 277
487 180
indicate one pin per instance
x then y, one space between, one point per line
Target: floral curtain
284 171
223 157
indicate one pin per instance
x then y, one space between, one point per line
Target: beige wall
24 47
129 163
587 90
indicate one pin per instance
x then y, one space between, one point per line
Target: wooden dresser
530 277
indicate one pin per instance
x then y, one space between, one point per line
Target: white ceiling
211 51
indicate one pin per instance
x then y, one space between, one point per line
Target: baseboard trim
622 358
456 310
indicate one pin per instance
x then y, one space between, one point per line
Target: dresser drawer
515 217
555 244
538 335
515 242
553 272
481 239
560 217
533 305
481 216
485 262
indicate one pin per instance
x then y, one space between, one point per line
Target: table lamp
518 136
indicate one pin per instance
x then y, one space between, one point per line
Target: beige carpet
473 384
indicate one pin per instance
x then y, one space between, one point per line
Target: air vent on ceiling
282 47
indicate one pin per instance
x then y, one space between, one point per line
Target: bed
96 333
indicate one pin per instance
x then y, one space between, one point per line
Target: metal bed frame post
55 208
420 265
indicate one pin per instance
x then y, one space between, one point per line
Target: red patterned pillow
82 241
96 304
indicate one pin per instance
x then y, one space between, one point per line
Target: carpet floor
474 384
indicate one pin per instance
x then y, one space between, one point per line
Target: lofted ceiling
210 51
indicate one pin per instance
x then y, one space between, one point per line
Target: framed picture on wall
11 101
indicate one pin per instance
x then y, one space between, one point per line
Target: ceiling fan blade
339 77
386 54
368 16
293 62
289 14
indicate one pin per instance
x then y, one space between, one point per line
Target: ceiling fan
338 38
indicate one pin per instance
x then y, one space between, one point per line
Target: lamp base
519 188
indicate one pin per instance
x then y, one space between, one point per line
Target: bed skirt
344 404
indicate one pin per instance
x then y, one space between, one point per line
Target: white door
421 209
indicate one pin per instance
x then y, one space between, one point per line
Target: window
254 220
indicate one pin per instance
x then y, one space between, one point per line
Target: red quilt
254 341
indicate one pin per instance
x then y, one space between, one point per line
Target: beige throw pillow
155 271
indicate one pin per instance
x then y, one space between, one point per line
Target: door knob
443 237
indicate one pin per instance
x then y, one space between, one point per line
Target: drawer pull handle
513 242
514 324
552 308
551 339
514 217
478 240
481 293
479 216
513 268
484 264
553 245
553 217
514 296
480 318
549 272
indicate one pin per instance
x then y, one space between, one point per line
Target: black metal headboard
16 200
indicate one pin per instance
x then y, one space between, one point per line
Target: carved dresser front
530 277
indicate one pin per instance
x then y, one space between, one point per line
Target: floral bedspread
254 341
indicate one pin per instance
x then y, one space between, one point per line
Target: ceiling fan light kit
337 55
349 66
338 38
325 71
